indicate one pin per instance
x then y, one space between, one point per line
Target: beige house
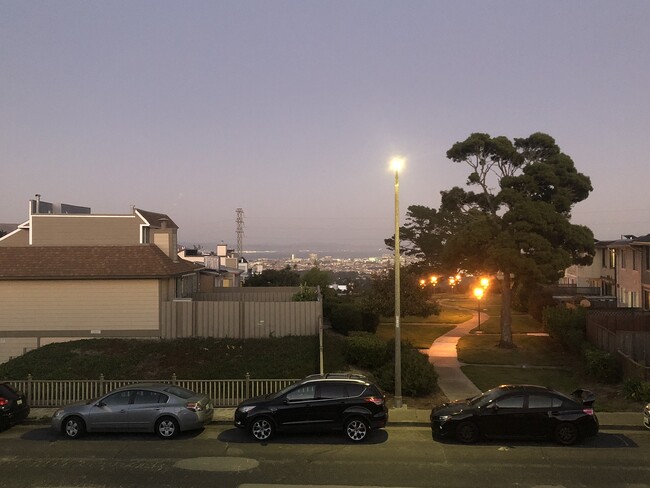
66 276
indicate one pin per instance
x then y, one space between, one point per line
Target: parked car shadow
238 436
47 434
600 441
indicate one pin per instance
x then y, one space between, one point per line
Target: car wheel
467 432
74 427
566 433
262 428
356 429
167 428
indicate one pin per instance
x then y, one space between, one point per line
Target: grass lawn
447 316
420 335
530 350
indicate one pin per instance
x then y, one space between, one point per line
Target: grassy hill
192 358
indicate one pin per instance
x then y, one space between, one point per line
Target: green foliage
414 299
637 390
274 277
306 294
601 365
350 316
190 358
418 375
567 325
365 350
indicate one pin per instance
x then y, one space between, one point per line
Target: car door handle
122 411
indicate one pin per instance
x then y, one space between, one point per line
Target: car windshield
485 398
278 394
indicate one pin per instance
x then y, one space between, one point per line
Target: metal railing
224 393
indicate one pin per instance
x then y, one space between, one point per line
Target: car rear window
180 392
355 390
147 396
332 390
7 391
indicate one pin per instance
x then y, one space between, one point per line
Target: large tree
514 218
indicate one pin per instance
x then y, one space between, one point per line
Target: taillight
588 411
194 406
375 400
3 402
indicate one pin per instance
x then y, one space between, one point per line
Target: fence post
247 389
29 388
173 378
101 384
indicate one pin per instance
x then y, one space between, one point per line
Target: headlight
247 408
444 418
58 414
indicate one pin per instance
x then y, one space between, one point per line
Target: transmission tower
240 231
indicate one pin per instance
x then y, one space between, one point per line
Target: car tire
167 428
565 433
467 432
356 428
262 428
73 427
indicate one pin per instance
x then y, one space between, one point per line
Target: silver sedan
153 407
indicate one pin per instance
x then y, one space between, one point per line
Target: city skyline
293 110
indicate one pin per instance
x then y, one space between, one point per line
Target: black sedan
518 411
13 406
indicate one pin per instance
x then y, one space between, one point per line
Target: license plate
19 401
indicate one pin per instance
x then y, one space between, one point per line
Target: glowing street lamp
478 293
396 165
434 282
485 282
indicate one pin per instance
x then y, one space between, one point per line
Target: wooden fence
625 332
239 319
224 393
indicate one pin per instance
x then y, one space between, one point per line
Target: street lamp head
478 293
396 164
485 282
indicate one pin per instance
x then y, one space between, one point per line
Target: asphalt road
223 457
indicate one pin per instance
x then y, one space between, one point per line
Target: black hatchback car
518 411
13 406
335 401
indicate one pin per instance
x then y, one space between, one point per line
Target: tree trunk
506 313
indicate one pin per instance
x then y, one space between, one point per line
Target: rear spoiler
586 397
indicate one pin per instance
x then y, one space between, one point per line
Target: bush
566 325
346 317
637 390
602 365
365 350
418 376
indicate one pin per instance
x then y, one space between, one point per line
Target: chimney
163 222
38 203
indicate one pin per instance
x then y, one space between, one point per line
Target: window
515 401
623 259
332 390
543 401
117 399
646 299
646 253
146 396
634 260
305 392
612 258
355 390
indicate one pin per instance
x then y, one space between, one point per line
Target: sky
292 110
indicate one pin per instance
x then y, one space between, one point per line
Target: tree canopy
513 220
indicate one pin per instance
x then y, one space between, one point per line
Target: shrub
365 350
418 375
636 390
346 317
602 365
566 325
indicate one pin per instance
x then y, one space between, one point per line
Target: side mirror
100 404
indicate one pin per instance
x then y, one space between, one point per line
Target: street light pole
396 164
478 293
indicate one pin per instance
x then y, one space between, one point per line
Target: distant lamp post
396 165
478 293
452 283
422 283
485 282
434 282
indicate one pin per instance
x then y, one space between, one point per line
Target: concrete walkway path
444 356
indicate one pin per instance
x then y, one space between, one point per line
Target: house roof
157 219
89 262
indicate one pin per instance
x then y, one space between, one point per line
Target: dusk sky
292 110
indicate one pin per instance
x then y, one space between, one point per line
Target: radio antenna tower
240 231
